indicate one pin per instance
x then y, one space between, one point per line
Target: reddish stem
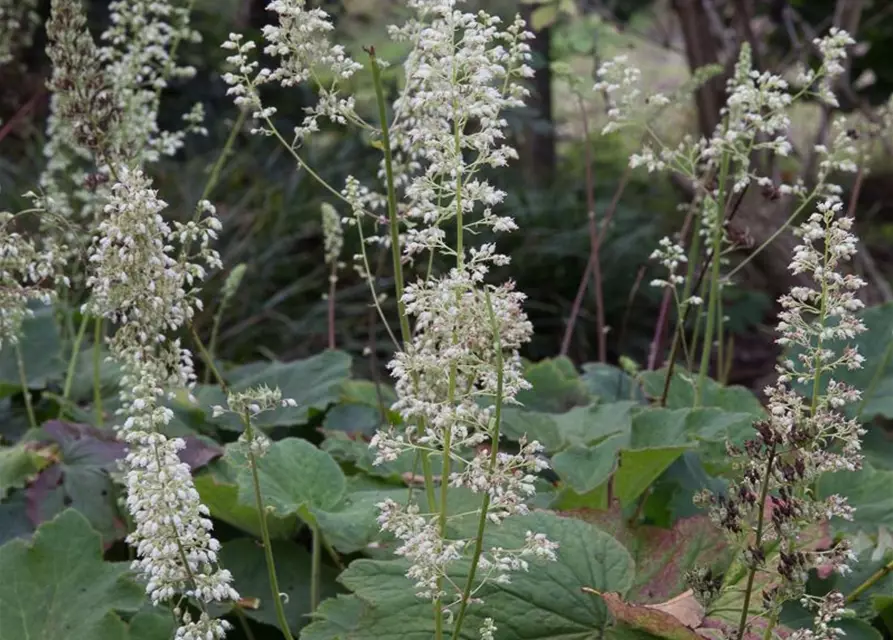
331 302
21 113
593 259
594 241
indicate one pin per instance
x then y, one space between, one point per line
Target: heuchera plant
456 364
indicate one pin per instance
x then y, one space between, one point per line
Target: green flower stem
393 223
713 303
730 355
696 332
758 540
98 332
333 554
872 580
823 321
405 332
72 361
314 568
694 253
442 506
721 354
485 502
23 380
214 176
265 535
451 395
770 625
258 496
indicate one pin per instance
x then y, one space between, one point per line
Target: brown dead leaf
675 619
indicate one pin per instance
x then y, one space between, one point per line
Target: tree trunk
757 218
701 50
538 150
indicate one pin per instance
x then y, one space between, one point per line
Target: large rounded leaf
313 383
547 602
40 347
681 394
58 586
664 556
222 498
295 477
555 386
868 491
636 446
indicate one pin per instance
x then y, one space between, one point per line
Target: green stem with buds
713 303
405 332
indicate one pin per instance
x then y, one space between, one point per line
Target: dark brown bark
701 49
757 218
538 150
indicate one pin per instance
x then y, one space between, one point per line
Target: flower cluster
138 57
300 42
449 87
430 554
459 363
333 235
446 309
832 48
83 110
803 436
508 479
105 99
18 21
248 404
30 271
618 81
671 256
755 122
138 282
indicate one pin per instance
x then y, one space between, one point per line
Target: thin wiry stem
98 334
405 331
758 540
330 304
23 381
494 453
258 496
713 302
72 361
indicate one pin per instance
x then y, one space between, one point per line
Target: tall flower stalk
139 282
104 101
755 122
771 508
458 363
